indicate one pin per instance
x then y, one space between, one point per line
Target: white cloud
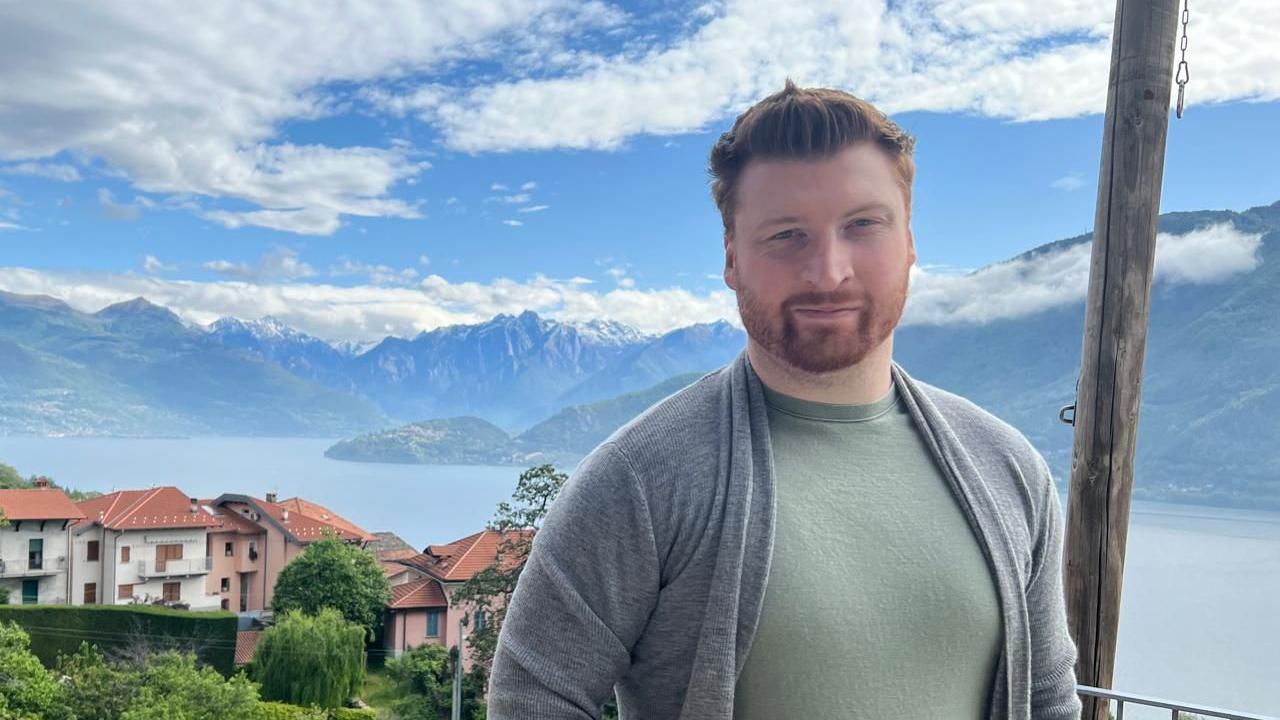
278 263
498 187
119 211
424 260
999 58
51 171
367 312
6 226
152 264
191 98
375 274
517 199
512 223
531 185
1208 255
1069 182
532 208
1019 288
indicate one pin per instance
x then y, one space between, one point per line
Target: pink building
255 538
420 610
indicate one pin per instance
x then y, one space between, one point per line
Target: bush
355 714
27 689
285 711
309 660
332 574
173 687
130 629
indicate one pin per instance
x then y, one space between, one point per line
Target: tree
310 660
424 676
96 688
334 574
174 688
489 591
27 690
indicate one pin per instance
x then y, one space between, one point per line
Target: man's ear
911 247
730 264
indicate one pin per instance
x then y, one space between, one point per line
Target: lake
1200 620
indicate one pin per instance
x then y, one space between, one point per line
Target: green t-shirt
879 602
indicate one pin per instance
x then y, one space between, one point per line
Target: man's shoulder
692 416
998 449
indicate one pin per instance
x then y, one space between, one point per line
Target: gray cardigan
649 571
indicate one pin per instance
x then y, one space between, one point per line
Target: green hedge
285 711
58 629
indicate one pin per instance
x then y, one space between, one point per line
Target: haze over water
1199 620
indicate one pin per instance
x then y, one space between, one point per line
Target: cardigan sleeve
587 590
1053 653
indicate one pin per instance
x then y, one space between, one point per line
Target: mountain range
1209 425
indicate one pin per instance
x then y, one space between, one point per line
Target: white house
142 545
33 545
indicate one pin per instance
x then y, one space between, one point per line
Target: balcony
22 567
247 561
185 567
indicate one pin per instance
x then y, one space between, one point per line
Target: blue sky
397 177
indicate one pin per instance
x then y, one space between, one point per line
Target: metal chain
1184 72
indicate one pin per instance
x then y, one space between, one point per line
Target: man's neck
866 382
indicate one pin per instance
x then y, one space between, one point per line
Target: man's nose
828 265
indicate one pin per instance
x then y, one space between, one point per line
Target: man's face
820 255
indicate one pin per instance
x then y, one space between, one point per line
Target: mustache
817 298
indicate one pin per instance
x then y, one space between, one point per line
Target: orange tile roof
159 507
38 504
397 554
301 525
324 514
246 641
417 594
461 559
391 569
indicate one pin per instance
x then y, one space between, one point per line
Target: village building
254 538
34 544
421 609
142 546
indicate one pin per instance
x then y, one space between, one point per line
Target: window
253 550
91 552
90 593
124 554
124 592
479 622
30 592
171 592
433 623
229 549
165 553
226 585
35 554
226 604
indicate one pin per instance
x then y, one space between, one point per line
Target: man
808 532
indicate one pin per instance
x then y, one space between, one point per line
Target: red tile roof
246 641
459 560
418 594
324 514
38 504
391 569
160 507
302 525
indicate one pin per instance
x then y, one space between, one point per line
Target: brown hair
803 123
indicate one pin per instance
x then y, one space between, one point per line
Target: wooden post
1115 332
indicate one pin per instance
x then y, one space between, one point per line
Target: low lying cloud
368 312
1019 288
396 305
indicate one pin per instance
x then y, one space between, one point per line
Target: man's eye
863 223
786 235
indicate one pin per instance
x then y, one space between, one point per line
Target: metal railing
1176 709
17 567
170 568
